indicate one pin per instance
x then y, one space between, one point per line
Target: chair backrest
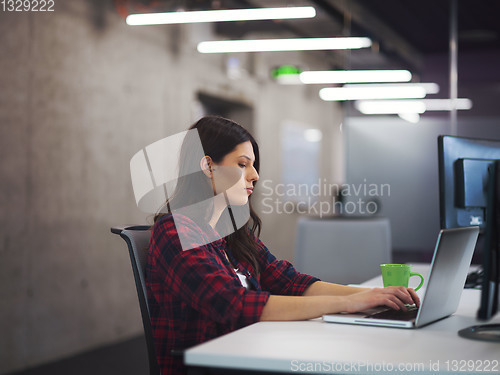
137 239
343 250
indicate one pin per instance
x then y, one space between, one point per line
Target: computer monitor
469 171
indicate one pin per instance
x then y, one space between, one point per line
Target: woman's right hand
395 297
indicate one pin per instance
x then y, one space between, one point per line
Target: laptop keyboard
390 314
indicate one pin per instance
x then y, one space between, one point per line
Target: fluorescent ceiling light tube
221 15
354 76
430 88
377 107
447 104
297 44
379 91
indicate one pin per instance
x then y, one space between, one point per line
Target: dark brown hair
220 136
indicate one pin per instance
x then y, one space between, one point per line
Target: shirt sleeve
280 276
200 278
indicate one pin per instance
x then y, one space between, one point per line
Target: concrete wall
80 93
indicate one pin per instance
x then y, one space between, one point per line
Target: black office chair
137 239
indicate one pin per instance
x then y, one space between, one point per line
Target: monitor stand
483 332
491 265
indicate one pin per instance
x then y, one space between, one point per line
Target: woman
208 273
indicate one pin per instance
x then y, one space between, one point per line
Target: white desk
314 346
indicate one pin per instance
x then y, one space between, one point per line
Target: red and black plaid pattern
195 295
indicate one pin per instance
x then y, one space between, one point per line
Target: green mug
399 275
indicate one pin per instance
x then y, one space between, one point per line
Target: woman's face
237 166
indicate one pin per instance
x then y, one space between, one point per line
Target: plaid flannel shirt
195 295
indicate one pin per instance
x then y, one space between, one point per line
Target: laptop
444 285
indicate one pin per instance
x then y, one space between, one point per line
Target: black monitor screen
469 194
463 179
